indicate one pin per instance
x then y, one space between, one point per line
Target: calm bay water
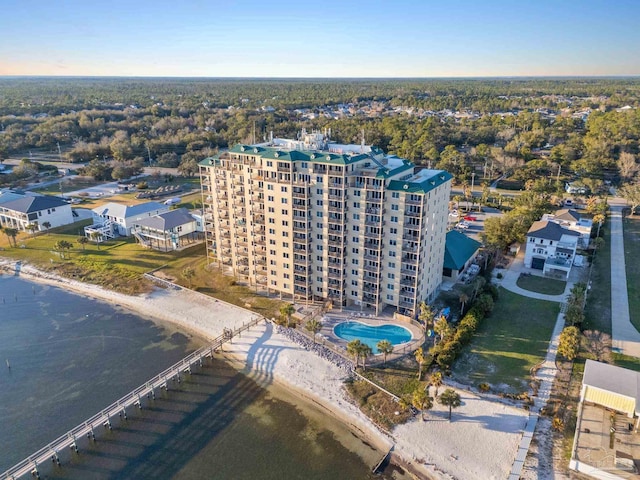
71 356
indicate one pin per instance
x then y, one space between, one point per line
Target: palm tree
46 225
32 227
365 351
353 349
286 311
82 241
464 298
61 246
420 358
436 380
599 219
421 400
385 348
11 234
314 326
426 315
96 237
478 284
442 328
450 398
188 273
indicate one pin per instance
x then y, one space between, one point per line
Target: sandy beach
480 442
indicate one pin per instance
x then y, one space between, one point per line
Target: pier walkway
147 391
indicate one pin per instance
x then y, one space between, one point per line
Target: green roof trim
209 162
458 249
386 173
282 155
423 186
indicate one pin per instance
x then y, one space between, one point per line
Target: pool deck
330 320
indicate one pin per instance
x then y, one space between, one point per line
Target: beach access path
480 443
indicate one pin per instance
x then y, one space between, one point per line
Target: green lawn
118 265
598 309
547 286
511 341
632 253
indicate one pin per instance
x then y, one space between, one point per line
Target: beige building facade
319 220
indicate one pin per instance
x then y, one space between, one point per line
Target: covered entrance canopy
611 387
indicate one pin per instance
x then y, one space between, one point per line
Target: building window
319 258
272 210
319 248
394 207
394 219
391 275
355 250
286 255
304 165
319 191
319 225
272 220
356 216
393 231
273 262
354 261
285 286
283 200
272 252
356 204
285 234
286 275
283 189
319 279
319 179
285 212
356 228
393 242
272 231
354 283
392 265
272 241
395 195
270 198
269 186
354 272
319 214
356 193
389 286
285 244
390 297
285 223
319 203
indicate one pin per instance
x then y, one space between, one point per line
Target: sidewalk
625 337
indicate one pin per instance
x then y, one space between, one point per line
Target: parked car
470 218
462 225
453 213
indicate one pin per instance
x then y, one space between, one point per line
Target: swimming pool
372 335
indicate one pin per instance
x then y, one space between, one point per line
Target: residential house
18 210
167 231
572 220
114 219
551 248
459 252
576 187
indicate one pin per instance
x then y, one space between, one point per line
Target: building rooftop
549 230
126 211
612 379
168 220
34 203
458 249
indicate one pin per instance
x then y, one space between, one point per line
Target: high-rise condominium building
319 220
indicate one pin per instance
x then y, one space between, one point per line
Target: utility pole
558 179
59 151
484 170
148 153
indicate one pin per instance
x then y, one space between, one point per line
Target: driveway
625 337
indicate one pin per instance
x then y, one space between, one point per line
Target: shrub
142 185
499 276
484 387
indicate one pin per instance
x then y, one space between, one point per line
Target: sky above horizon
333 38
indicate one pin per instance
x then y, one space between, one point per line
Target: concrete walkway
547 370
625 337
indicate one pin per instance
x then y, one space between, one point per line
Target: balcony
335 253
411 213
300 194
372 290
374 200
257 176
335 262
257 217
300 260
301 282
410 201
338 208
373 244
334 275
372 269
375 235
373 257
407 270
406 302
301 229
299 248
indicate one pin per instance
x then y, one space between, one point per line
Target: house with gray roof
573 220
551 248
114 219
19 210
167 231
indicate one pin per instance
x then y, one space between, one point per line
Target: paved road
625 337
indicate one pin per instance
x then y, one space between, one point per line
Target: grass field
632 253
511 341
598 309
547 286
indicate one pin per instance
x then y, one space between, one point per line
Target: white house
572 220
167 231
17 210
551 248
114 219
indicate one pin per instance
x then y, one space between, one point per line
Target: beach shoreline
436 449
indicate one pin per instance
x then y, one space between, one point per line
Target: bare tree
628 166
598 344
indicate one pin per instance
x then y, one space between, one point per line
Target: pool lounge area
372 334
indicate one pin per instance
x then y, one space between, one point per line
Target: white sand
480 443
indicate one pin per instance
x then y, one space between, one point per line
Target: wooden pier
136 398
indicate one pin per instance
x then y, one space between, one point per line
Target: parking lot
471 223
